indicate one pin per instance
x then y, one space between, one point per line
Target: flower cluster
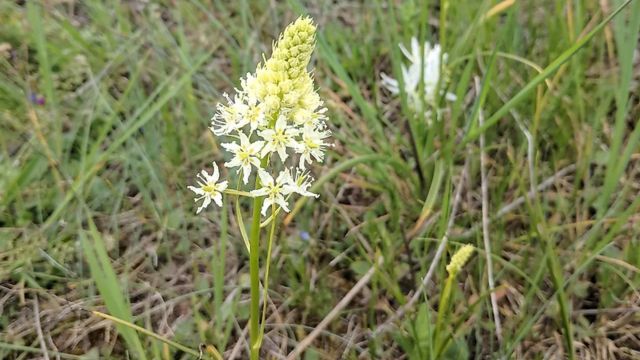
411 76
275 112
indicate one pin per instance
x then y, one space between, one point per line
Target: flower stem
255 336
254 272
265 285
443 309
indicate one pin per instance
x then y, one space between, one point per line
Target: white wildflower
279 138
300 184
255 115
273 190
230 117
245 154
312 145
305 117
209 188
411 75
249 87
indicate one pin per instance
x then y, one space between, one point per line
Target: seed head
459 259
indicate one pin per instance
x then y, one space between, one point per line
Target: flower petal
281 123
267 203
233 163
259 192
196 190
256 147
246 171
216 173
205 203
283 204
265 178
282 151
217 198
232 147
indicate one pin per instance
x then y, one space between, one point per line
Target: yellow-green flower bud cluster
459 259
293 50
283 82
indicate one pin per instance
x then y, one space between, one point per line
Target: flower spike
275 111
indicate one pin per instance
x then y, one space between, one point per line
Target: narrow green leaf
531 85
107 283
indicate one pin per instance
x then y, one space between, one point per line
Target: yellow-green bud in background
459 259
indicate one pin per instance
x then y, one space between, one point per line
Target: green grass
95 214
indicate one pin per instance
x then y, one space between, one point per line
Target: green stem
254 265
237 192
265 285
254 270
442 312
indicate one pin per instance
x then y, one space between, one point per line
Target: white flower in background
274 191
411 75
275 110
312 144
279 138
209 188
245 154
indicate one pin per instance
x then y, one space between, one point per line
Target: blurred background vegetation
104 108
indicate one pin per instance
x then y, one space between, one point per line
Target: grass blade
107 283
135 126
627 36
174 344
531 85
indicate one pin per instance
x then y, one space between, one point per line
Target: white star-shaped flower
255 115
274 190
305 117
230 117
279 138
245 154
312 144
209 188
300 184
411 76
